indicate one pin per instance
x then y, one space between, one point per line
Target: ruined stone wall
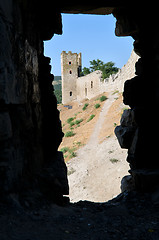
89 86
93 84
116 81
30 129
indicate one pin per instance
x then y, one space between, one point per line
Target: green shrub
115 92
78 144
103 98
69 134
72 123
85 106
64 149
58 94
114 160
97 105
70 120
72 155
78 121
115 124
91 117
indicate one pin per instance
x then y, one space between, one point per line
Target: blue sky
93 36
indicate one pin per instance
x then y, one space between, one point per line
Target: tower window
70 72
91 84
69 63
70 94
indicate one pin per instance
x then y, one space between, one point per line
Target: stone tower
70 71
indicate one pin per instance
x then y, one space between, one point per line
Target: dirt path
96 172
94 137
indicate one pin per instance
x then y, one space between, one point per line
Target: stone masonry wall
92 84
70 65
116 81
138 130
30 129
89 86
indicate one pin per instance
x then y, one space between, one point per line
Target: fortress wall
89 86
116 81
92 85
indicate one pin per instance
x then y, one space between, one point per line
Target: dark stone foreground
129 216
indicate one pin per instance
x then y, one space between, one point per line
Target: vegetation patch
70 152
103 98
91 117
78 121
115 92
70 119
85 106
69 134
64 149
115 124
114 160
58 94
57 88
106 68
72 124
97 105
76 143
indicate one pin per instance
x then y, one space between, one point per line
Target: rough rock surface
129 216
30 129
29 116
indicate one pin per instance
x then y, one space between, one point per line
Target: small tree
85 71
106 68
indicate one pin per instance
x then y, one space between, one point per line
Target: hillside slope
80 120
99 163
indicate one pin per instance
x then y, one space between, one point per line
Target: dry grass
112 118
83 130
